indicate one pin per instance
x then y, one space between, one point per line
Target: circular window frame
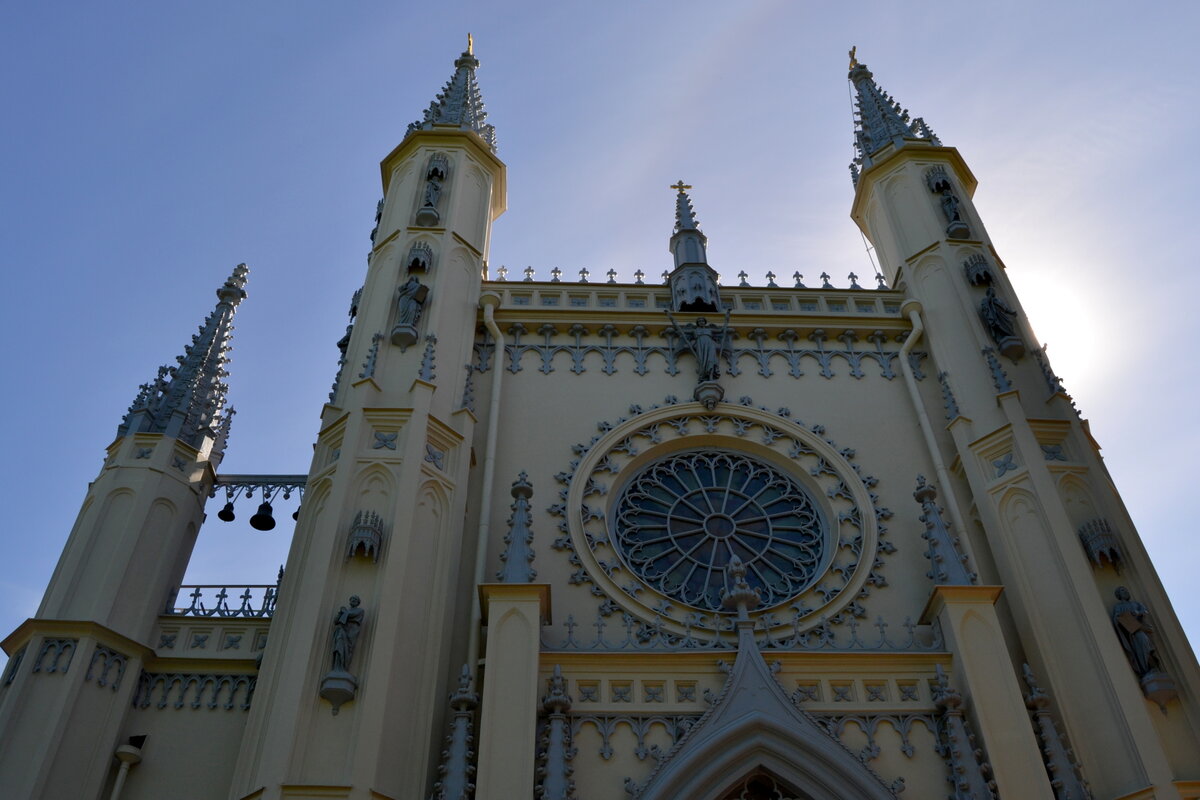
624 449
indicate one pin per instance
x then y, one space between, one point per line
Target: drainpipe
488 302
912 309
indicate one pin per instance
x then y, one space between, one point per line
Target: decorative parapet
257 600
194 690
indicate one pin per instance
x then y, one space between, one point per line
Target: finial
680 186
853 58
471 46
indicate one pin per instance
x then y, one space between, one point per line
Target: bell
226 513
262 519
296 514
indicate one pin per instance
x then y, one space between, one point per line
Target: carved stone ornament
410 302
1100 543
435 176
1131 620
366 536
977 270
420 257
339 686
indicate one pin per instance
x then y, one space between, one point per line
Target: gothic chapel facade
649 540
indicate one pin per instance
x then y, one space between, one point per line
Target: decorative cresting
947 564
683 518
187 401
456 770
460 102
811 528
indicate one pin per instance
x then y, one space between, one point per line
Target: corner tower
1034 491
359 659
128 550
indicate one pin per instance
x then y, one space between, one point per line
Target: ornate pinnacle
187 401
460 102
879 119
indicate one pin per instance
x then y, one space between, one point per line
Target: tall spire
693 282
460 101
187 401
879 120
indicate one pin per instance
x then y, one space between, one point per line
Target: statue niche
939 183
705 342
1000 321
1131 620
435 176
410 302
339 686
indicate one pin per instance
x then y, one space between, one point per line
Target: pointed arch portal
762 785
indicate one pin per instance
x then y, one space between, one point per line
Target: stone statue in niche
939 183
410 302
435 175
339 686
1131 620
705 342
1000 321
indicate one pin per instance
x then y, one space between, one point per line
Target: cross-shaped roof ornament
882 283
771 284
612 276
826 284
680 186
583 275
666 276
742 277
799 281
639 275
554 273
853 281
529 273
502 273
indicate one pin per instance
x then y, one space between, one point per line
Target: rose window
682 519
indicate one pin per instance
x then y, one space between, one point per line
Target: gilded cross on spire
680 186
471 45
853 57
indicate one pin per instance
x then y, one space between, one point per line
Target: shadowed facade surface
604 540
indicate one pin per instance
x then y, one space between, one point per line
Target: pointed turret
460 102
693 281
187 401
879 119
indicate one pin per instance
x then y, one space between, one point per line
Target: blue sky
151 147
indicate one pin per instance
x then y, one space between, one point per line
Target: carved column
508 719
983 669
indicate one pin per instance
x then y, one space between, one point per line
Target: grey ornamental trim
456 770
194 690
427 358
791 438
869 725
518 553
1065 773
111 667
366 536
947 563
55 656
368 370
1053 384
761 356
1101 543
459 103
977 270
999 376
839 634
948 401
268 486
969 773
556 750
257 600
468 395
435 456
